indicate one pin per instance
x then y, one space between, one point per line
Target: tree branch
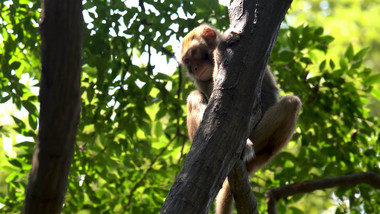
168 53
233 109
243 195
274 194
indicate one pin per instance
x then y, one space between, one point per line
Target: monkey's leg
224 199
274 131
196 105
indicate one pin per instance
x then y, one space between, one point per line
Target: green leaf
32 121
318 31
15 65
371 80
327 39
286 56
360 54
90 92
19 122
94 198
305 60
25 144
158 129
12 177
162 76
15 163
356 64
343 64
349 52
376 93
30 107
295 210
332 64
322 65
294 37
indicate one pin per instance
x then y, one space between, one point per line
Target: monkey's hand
231 36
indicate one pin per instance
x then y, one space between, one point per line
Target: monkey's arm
196 105
274 131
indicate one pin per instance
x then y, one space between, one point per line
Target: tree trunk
61 28
232 111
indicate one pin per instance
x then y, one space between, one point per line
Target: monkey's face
199 62
197 52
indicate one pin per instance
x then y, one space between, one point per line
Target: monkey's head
197 51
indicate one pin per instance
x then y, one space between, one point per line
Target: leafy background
132 137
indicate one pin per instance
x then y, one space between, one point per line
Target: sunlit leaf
15 163
360 54
322 65
343 64
371 80
349 52
332 64
376 93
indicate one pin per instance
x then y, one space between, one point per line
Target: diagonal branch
263 12
274 194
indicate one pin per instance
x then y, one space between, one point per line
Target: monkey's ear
209 34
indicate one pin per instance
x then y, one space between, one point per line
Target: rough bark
275 194
233 109
61 28
245 201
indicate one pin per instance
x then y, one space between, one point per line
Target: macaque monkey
200 56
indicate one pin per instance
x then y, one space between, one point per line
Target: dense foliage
132 136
